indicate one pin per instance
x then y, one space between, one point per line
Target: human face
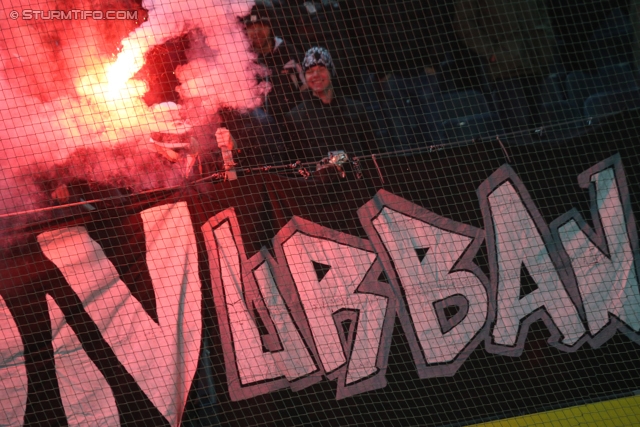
259 34
318 78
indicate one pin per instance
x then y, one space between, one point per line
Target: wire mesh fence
309 213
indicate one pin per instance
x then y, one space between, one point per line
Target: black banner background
445 181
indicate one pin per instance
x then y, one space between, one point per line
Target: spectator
327 121
323 24
281 60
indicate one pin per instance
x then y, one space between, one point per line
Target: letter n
604 260
162 357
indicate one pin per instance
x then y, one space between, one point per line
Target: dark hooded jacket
315 128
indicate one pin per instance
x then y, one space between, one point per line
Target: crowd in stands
399 76
407 74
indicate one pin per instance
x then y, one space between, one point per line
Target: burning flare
68 113
121 71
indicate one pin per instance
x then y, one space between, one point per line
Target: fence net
279 212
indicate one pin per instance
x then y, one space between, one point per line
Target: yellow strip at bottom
624 412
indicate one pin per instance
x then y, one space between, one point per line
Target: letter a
517 237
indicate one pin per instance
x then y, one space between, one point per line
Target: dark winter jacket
315 128
285 81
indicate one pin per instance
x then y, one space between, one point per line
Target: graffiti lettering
323 303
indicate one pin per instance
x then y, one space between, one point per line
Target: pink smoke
69 110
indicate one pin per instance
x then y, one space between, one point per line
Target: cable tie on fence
504 150
304 173
357 168
373 157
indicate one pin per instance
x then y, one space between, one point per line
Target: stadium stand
464 116
608 90
406 108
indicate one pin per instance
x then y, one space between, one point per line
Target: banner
470 273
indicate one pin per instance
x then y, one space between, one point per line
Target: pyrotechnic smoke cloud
69 110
